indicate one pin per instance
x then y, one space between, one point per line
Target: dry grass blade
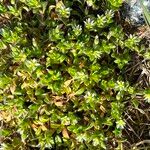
137 134
141 143
145 13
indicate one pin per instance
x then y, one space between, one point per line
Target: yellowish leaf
24 85
43 128
67 83
67 90
59 5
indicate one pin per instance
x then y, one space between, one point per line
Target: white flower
89 23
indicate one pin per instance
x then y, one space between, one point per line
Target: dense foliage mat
63 81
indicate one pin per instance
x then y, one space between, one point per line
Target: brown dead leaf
54 15
65 133
13 88
86 118
5 115
102 108
59 103
71 95
57 97
34 126
81 65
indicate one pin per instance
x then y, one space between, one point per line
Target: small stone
135 12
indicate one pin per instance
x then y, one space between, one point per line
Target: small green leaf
80 91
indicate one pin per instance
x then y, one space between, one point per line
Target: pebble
135 12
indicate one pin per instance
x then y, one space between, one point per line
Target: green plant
62 83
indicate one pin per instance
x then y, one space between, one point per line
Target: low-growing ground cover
70 76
